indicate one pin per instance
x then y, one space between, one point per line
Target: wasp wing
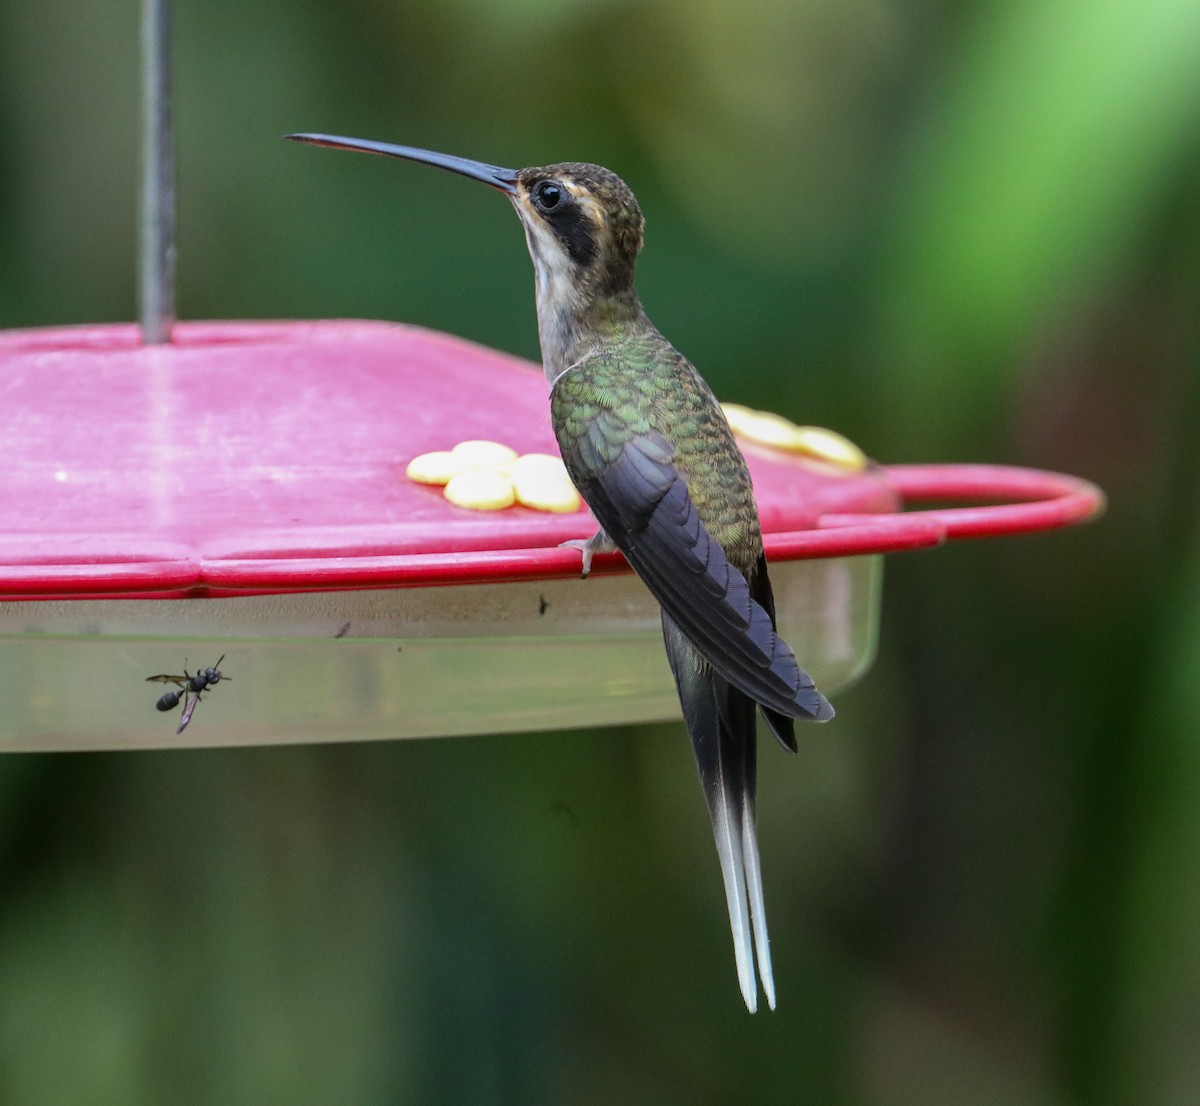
189 707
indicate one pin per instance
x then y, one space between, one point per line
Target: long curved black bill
503 179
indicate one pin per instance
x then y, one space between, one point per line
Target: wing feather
641 500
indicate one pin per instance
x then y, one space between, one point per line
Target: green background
955 232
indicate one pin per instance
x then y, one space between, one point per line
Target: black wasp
189 689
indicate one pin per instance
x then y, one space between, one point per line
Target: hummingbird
651 453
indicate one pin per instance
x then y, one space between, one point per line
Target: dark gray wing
782 725
642 502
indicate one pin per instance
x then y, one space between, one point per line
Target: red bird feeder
241 491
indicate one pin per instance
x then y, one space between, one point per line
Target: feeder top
271 457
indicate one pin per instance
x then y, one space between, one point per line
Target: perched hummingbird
650 451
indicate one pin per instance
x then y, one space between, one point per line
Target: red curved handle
1031 500
1044 500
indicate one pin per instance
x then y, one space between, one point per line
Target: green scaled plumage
650 451
633 383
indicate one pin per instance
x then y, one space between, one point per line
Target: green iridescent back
639 382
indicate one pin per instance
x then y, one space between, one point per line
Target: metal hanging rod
156 248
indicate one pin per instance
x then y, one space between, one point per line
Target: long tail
721 723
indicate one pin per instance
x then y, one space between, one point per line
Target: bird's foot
599 542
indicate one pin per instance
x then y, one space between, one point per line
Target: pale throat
557 301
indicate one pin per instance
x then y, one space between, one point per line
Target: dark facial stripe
573 229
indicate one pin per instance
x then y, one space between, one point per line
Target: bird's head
583 226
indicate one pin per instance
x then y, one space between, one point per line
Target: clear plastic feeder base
395 663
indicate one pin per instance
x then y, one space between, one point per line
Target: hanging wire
156 250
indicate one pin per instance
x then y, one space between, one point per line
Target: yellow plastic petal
541 482
432 468
478 452
739 416
830 446
480 490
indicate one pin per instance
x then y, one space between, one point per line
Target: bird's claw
599 542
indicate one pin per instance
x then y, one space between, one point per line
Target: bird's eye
548 195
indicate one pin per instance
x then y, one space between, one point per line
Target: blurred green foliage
954 232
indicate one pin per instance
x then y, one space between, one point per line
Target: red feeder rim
252 458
